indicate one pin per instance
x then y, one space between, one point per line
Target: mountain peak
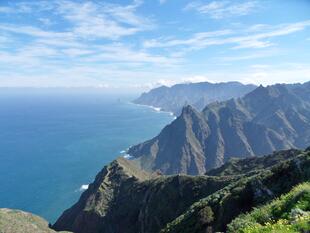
188 109
127 168
270 91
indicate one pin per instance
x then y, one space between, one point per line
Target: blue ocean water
51 143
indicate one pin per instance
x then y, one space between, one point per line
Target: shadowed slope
125 199
179 148
267 119
173 98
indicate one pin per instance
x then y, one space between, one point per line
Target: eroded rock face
125 199
179 148
173 98
253 189
265 120
17 221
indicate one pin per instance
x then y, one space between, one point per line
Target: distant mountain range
264 120
173 99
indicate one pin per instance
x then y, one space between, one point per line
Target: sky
137 45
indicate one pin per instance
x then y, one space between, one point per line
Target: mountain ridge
118 201
156 203
265 120
124 198
173 98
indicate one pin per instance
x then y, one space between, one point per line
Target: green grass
288 214
17 221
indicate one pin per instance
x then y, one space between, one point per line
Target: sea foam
127 156
83 187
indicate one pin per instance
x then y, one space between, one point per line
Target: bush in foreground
288 214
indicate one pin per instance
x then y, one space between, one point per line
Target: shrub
287 214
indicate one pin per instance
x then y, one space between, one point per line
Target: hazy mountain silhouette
267 119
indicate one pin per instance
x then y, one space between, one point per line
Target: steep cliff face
267 119
86 215
179 148
248 166
216 211
196 94
125 199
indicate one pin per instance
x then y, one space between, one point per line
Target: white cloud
6 10
172 81
86 21
197 40
76 52
243 40
223 9
196 79
249 56
95 47
121 53
265 74
285 73
15 7
90 20
45 21
3 40
253 44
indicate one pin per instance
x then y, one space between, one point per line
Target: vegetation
241 196
252 165
288 214
125 199
16 221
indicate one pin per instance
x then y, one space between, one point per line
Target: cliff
267 119
173 98
124 199
121 199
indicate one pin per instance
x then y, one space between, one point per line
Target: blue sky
136 45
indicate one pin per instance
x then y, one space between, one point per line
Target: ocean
53 143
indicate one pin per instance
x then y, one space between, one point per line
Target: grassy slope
250 191
288 214
16 221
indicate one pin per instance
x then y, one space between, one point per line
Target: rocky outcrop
248 166
17 221
126 199
242 196
179 148
267 119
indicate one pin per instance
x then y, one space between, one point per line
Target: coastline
156 109
124 153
